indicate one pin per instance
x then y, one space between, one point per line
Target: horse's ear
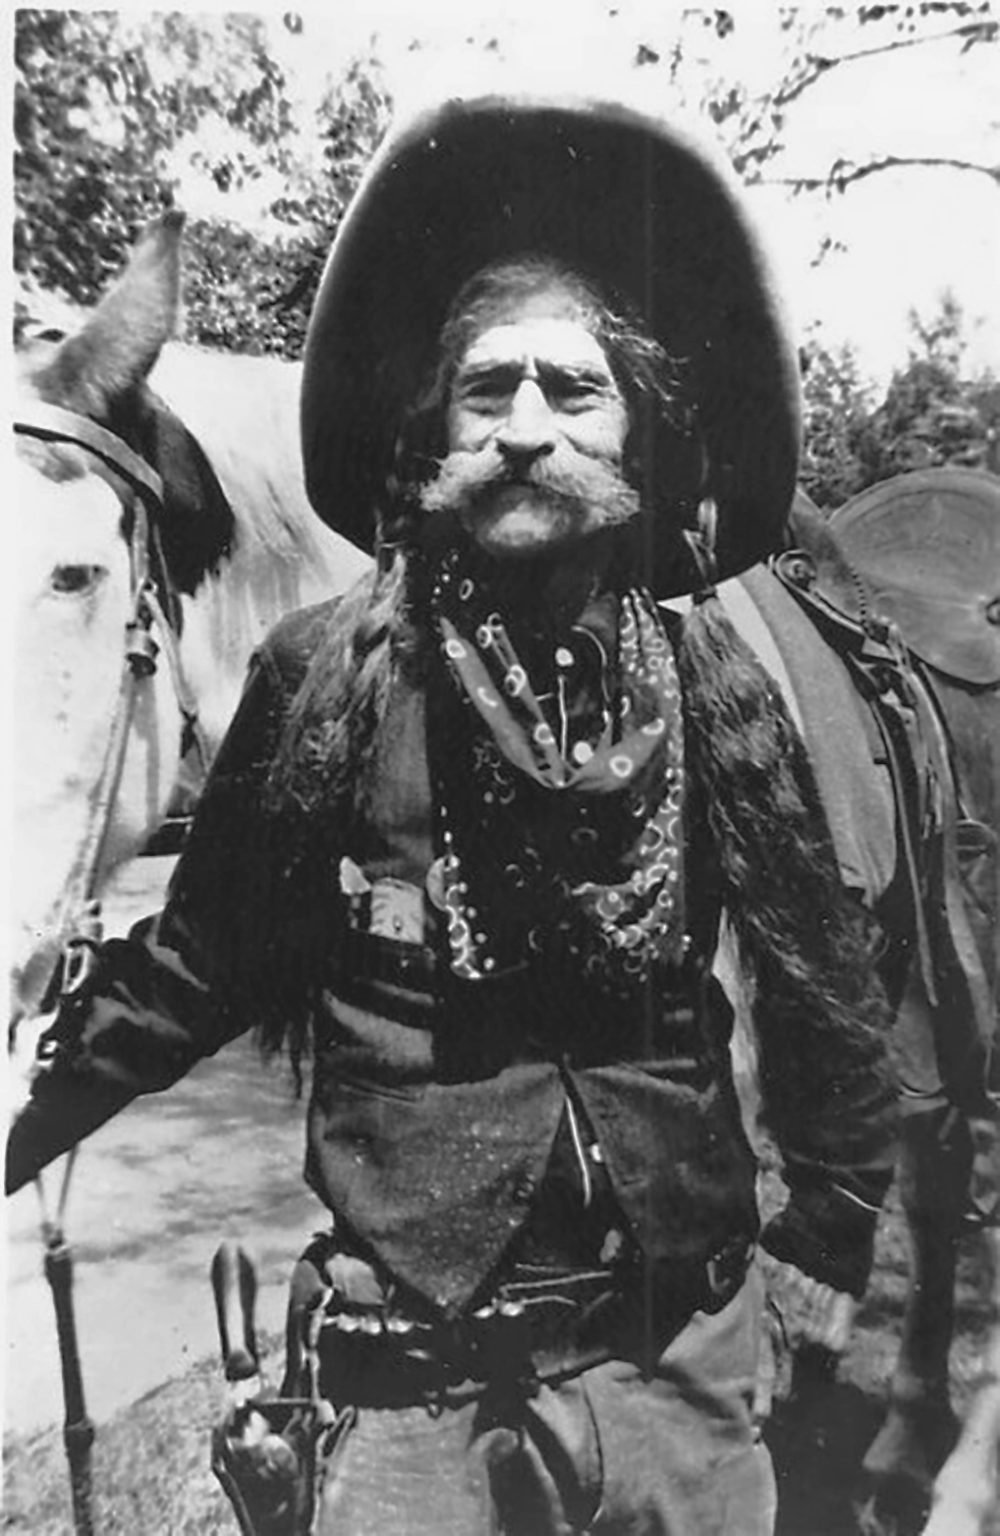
121 340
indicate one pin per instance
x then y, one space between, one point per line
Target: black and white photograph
503 770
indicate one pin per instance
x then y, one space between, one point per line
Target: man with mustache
470 840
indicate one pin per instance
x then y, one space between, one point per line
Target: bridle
153 603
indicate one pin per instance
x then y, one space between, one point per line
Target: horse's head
81 505
117 492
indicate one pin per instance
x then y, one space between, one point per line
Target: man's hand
22 1062
809 1312
984 1181
801 1312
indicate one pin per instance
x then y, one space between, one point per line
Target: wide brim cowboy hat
634 201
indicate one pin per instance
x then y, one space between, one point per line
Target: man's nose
528 431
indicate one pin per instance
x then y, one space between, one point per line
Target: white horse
228 546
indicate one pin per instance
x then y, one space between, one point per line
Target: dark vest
436 1102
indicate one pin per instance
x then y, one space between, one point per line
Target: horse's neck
229 615
244 413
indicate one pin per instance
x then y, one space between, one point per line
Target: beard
590 489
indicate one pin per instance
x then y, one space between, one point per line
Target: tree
819 41
81 188
837 407
112 111
108 107
933 413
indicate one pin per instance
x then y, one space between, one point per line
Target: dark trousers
608 1452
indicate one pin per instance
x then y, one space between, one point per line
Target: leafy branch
843 173
814 66
760 121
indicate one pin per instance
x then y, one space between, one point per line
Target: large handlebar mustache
465 479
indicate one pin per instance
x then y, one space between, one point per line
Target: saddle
929 546
871 624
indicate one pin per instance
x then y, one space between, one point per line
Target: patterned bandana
559 791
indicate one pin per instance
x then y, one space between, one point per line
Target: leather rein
153 604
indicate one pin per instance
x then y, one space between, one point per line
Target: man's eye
576 394
486 393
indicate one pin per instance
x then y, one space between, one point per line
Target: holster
271 1457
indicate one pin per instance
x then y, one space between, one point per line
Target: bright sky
908 234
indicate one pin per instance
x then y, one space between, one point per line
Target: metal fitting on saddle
799 567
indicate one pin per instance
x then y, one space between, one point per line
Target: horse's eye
77 579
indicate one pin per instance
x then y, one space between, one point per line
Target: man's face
535 404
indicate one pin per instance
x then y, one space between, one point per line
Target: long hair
317 792
821 1013
808 942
